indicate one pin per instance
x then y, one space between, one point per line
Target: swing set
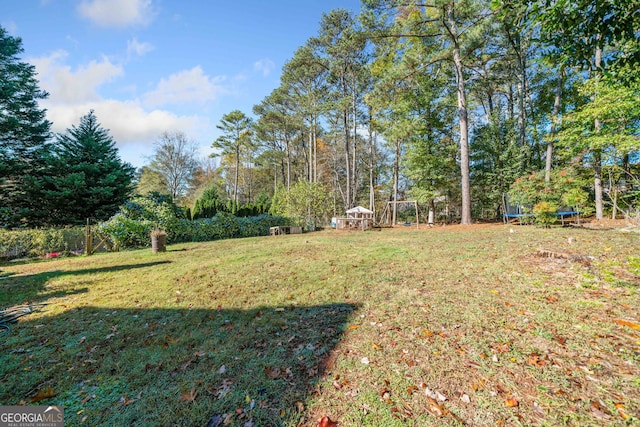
391 208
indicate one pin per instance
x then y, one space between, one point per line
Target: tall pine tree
88 179
24 132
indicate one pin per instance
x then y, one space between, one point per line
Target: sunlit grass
276 331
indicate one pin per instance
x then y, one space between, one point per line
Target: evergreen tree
24 132
87 178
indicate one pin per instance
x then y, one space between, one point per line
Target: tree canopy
85 176
453 101
24 133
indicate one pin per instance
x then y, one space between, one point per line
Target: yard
474 325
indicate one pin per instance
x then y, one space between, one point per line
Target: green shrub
125 232
545 213
128 233
307 204
209 204
566 189
39 242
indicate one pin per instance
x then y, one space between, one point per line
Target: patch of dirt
607 224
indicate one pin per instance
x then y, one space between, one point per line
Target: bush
128 233
125 232
39 242
566 189
307 204
545 213
209 204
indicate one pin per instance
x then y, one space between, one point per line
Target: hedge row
124 232
39 242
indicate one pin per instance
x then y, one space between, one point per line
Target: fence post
89 239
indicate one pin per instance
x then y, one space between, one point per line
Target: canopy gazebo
357 218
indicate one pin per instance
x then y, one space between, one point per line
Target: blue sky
148 66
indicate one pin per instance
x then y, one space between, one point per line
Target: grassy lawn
448 326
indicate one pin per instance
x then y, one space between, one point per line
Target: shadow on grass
18 289
174 367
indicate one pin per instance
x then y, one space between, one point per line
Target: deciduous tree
175 159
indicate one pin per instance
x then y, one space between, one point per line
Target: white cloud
186 86
117 13
264 66
134 47
127 121
67 85
74 91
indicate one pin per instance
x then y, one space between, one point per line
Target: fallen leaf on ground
43 394
215 421
272 372
435 408
511 402
628 323
326 422
126 401
600 410
88 398
385 394
621 411
535 359
189 395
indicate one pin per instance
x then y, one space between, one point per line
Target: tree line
448 100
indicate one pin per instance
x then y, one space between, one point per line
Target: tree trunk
288 165
597 155
396 176
597 179
510 107
235 184
372 192
354 108
315 151
432 212
310 176
522 113
463 120
250 177
275 179
347 149
554 126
